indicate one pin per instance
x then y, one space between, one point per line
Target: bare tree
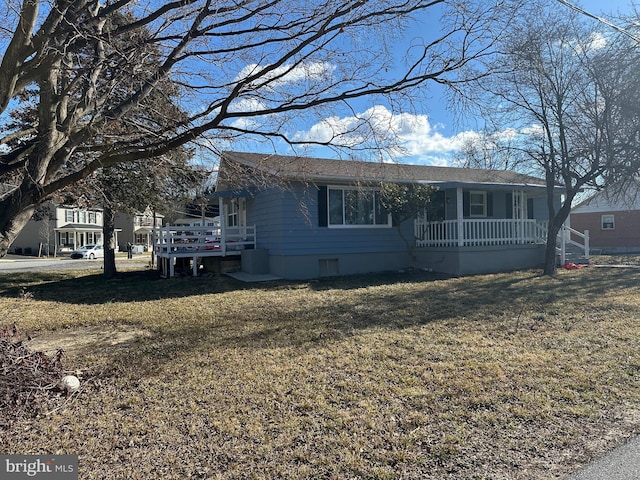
491 150
569 90
240 68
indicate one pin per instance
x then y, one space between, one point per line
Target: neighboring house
301 218
197 222
137 229
59 229
612 217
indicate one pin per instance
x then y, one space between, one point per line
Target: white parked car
89 251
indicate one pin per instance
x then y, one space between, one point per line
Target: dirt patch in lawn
82 338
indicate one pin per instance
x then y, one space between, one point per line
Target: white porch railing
479 232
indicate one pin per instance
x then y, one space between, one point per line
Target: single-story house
612 217
314 217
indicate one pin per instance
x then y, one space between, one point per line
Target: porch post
223 224
563 245
586 244
460 216
522 214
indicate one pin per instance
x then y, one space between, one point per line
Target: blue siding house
317 217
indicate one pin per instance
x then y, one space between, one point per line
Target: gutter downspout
460 216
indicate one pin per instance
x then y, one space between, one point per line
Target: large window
608 222
351 207
68 216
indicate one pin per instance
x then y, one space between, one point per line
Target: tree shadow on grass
499 299
92 289
140 286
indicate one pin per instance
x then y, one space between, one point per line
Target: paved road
14 263
623 463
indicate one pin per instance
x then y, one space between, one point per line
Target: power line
617 28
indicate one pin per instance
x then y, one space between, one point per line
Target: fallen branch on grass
28 379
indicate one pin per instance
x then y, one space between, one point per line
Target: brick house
612 217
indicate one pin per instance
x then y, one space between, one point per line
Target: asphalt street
623 463
15 263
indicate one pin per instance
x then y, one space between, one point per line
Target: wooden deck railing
171 242
479 232
203 241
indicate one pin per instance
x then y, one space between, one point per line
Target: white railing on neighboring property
479 232
565 238
202 241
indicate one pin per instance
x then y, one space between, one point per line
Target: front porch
470 246
480 232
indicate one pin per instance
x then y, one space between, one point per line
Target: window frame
344 196
483 194
603 224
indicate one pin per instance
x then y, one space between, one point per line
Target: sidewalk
623 463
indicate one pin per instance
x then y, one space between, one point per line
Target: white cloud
533 130
287 74
411 135
597 41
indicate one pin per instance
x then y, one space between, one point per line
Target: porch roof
233 193
90 227
352 171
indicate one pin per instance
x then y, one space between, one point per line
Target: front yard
408 376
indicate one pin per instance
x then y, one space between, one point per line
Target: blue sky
430 134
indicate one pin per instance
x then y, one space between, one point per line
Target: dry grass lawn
396 376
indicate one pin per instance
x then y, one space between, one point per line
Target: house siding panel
287 224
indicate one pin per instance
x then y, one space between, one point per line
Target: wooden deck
194 243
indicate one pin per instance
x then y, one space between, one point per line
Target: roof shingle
321 169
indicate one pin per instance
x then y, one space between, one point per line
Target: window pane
608 222
382 215
476 198
335 207
477 210
358 207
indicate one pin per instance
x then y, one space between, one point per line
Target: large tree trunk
10 227
555 224
16 209
550 256
108 232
